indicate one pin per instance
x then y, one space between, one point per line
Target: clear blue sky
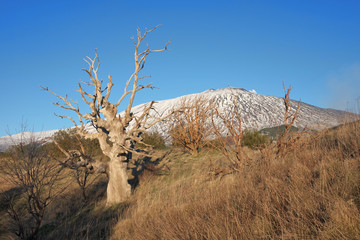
312 45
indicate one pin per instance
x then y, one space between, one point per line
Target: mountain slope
257 111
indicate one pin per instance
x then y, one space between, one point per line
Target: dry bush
190 124
308 193
287 138
35 175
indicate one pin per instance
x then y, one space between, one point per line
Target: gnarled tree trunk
118 189
114 131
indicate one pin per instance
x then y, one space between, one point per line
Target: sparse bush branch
30 169
116 132
230 144
290 115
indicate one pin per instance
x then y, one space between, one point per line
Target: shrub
153 139
254 139
68 141
34 175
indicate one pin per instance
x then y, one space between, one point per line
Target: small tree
190 124
31 169
116 133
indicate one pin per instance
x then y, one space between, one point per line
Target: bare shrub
191 127
287 138
36 175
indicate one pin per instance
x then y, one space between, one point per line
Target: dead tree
191 127
284 140
115 132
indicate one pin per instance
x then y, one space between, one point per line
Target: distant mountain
25 137
257 111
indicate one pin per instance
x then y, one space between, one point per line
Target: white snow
257 111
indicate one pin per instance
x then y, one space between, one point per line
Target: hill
257 112
309 192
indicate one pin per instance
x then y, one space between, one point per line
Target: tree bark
118 189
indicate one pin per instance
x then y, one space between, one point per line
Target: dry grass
312 192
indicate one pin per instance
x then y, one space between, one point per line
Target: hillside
257 111
309 192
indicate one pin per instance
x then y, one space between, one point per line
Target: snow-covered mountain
257 112
25 137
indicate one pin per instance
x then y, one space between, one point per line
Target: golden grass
310 192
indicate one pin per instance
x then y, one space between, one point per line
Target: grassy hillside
311 191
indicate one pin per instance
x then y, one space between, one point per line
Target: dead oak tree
115 132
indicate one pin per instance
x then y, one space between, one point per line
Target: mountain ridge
257 111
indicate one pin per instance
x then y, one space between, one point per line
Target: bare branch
290 115
61 149
126 92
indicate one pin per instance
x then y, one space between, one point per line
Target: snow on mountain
257 112
25 137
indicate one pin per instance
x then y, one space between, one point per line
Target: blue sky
312 45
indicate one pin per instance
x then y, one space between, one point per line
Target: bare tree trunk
118 189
